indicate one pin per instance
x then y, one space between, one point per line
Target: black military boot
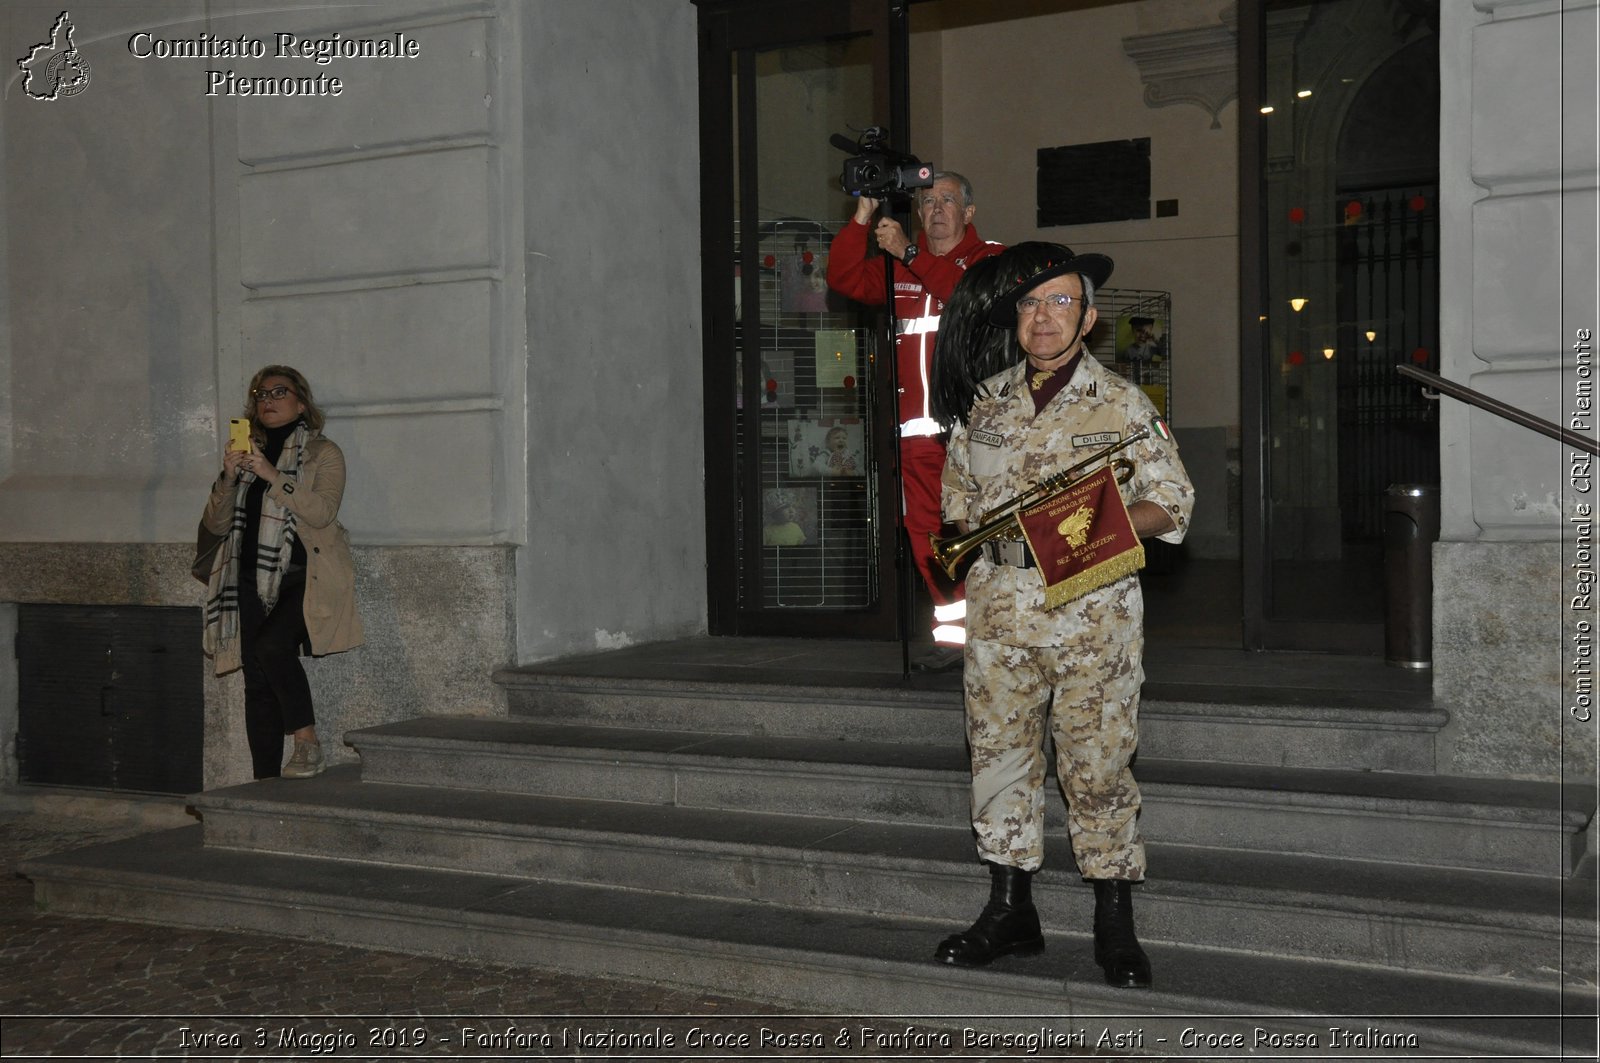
1008 923
1116 948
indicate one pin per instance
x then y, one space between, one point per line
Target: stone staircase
804 842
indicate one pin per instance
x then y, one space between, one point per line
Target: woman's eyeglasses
278 392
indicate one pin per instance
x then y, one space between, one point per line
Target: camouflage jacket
1004 449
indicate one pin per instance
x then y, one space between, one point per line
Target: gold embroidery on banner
1075 529
1125 564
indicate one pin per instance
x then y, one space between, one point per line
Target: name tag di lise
1082 538
1097 439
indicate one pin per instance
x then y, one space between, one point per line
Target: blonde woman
283 577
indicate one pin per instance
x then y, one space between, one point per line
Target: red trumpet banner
1082 538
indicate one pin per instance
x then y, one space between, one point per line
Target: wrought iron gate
1388 270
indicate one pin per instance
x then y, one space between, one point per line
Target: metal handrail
1587 444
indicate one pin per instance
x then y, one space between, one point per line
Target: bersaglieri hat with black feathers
1058 260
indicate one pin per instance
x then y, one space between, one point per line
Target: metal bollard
1410 528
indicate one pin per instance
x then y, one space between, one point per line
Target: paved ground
84 988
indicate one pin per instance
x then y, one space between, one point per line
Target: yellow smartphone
239 434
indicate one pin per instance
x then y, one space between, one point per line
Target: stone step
1483 824
1484 923
1212 720
841 964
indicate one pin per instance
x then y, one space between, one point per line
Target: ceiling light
1303 94
1268 109
1299 303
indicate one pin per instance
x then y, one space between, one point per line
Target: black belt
1015 554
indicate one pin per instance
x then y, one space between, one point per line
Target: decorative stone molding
1195 66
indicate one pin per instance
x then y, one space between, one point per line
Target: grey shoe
940 658
305 761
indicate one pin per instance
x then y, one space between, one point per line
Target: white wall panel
412 342
1519 477
1517 275
369 218
445 92
1516 128
419 477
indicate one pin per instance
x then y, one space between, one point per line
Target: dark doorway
1339 283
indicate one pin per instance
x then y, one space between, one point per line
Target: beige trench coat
332 623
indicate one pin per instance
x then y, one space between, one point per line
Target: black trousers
277 696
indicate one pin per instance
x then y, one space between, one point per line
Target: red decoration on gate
806 257
1419 204
1297 214
1297 358
1420 356
1352 210
769 261
849 381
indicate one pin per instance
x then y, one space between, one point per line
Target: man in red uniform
925 273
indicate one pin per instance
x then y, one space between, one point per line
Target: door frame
730 33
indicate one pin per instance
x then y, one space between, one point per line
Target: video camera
876 169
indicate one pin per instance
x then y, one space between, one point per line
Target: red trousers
921 467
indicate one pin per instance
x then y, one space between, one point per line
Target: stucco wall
616 470
1518 287
108 376
161 244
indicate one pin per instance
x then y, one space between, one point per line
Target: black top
271 448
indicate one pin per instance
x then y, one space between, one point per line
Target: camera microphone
843 143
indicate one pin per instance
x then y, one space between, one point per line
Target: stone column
1517 294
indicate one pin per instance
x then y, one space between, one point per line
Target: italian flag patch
1159 427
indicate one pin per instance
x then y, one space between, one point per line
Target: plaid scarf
275 537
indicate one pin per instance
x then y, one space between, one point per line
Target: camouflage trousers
1091 701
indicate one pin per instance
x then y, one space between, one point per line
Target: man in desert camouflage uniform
1077 666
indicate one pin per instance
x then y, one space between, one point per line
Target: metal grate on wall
1388 314
110 697
816 482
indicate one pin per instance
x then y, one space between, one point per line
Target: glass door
800 488
1340 282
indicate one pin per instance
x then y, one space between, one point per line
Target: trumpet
1001 522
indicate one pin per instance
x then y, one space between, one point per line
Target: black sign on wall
1083 183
